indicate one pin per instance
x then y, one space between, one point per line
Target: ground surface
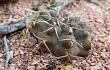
25 55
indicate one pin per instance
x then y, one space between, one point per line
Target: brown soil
26 55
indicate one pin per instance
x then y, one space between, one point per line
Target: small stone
21 52
11 54
95 53
1 55
12 68
75 68
35 62
31 67
16 53
103 55
1 68
88 61
92 64
84 61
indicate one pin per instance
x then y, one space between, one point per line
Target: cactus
59 38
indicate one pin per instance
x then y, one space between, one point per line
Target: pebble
103 55
1 68
92 64
1 55
89 61
12 68
75 68
83 61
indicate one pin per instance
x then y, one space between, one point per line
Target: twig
7 53
11 14
6 29
65 3
15 26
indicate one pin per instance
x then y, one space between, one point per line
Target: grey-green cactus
61 39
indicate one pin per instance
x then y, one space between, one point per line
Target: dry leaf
68 67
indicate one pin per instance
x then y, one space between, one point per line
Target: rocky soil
25 54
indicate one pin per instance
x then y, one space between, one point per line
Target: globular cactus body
59 38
